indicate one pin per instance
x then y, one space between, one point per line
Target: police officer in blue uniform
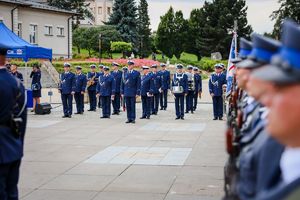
180 90
92 78
191 90
13 117
216 82
165 86
131 89
147 88
16 73
117 74
157 85
123 102
80 86
106 91
283 125
100 73
198 87
67 90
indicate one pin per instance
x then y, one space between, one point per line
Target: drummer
179 89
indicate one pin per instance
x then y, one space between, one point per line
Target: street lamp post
100 41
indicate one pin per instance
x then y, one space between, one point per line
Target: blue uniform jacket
147 84
157 82
216 83
18 75
36 78
131 84
11 147
68 83
90 75
165 79
198 83
181 80
118 78
80 83
106 85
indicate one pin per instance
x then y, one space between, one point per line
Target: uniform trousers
117 103
106 105
146 104
130 106
164 99
179 105
93 99
67 100
79 99
218 106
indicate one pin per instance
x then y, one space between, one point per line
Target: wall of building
101 10
41 18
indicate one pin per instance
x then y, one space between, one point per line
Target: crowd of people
119 89
263 138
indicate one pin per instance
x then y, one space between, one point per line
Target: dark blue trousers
93 99
9 177
130 106
189 101
146 105
117 103
218 106
155 103
79 99
195 100
106 106
164 99
179 105
67 100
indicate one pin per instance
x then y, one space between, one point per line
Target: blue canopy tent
19 48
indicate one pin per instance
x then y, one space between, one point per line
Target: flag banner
231 66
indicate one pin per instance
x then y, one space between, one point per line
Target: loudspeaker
43 109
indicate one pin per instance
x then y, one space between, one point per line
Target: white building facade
101 10
39 24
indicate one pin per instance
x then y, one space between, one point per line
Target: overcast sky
258 11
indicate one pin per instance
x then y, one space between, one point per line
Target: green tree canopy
122 47
124 17
143 29
288 9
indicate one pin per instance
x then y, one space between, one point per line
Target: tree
78 6
78 38
165 34
88 38
211 27
143 30
124 17
180 34
288 9
121 47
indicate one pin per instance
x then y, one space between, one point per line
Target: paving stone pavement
88 158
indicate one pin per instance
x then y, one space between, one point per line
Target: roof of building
32 4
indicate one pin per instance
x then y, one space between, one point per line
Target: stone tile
35 181
24 192
146 179
54 168
60 195
189 197
97 169
79 182
41 123
128 196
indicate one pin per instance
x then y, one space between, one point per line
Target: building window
108 10
99 10
33 34
19 31
48 30
60 31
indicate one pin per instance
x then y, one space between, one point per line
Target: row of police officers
118 88
263 135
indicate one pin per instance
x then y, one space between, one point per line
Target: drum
177 89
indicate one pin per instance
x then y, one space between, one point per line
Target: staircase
50 77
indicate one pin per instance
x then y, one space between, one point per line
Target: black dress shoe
132 121
182 118
78 113
162 109
177 118
113 113
69 116
221 118
143 117
192 112
165 108
128 121
103 117
90 110
65 116
215 118
186 112
148 117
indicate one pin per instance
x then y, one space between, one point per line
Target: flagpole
236 37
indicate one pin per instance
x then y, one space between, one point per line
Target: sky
258 11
